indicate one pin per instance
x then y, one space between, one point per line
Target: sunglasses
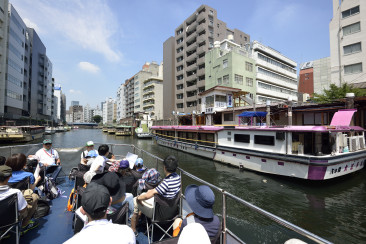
48 143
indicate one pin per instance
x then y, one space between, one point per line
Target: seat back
120 216
166 209
9 212
21 185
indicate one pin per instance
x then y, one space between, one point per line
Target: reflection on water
334 210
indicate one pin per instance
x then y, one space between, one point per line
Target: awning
253 114
343 117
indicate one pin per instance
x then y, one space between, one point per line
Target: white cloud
30 24
92 68
72 91
88 24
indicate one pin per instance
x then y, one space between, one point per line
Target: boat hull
303 167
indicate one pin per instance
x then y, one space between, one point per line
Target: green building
230 65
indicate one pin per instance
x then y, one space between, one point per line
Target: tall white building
276 75
109 111
121 102
58 103
88 113
347 42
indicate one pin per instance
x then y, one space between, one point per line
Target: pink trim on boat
343 117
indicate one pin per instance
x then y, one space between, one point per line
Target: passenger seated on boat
88 156
26 211
123 169
46 156
111 159
168 189
17 162
201 200
2 160
116 188
98 164
139 166
149 180
94 204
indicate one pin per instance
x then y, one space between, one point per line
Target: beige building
193 38
347 42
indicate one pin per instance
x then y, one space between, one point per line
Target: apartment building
347 37
230 65
121 102
3 52
109 111
276 75
77 113
58 102
315 76
129 97
193 38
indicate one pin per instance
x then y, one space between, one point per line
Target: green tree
334 93
97 118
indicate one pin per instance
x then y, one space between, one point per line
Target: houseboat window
264 140
229 133
242 138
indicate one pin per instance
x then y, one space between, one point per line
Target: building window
249 81
219 81
353 68
179 87
180 40
248 66
350 29
353 48
241 138
179 49
224 63
350 11
238 79
225 79
228 117
179 68
179 77
179 58
180 96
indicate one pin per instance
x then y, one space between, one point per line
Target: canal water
334 210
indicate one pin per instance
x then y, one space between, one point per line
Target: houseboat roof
296 128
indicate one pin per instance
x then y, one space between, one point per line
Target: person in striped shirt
168 188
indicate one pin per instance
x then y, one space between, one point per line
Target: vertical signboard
229 100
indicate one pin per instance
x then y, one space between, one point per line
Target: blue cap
139 161
124 164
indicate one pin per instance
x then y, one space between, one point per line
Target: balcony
200 72
191 99
191 36
201 27
191 67
180 72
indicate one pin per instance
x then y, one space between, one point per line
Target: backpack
43 208
50 188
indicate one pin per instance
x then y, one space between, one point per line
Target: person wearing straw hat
88 156
201 200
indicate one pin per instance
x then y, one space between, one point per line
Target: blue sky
95 45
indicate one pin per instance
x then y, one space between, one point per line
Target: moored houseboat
124 130
21 133
112 129
306 152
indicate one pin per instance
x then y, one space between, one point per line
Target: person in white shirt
6 191
94 204
88 156
46 156
99 163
